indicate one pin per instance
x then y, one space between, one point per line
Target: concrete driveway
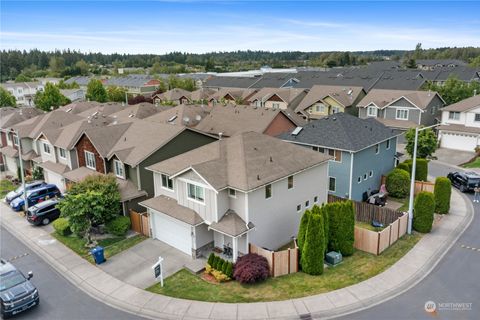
134 266
453 157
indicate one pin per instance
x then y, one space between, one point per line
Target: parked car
19 191
17 293
48 191
464 181
43 212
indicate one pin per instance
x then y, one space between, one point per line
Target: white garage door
11 165
172 232
458 141
54 178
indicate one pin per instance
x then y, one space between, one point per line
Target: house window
377 148
335 110
167 183
477 116
232 193
320 108
359 179
196 192
15 139
315 148
453 115
9 138
365 176
322 150
63 153
332 184
401 114
290 182
315 199
276 105
119 169
90 160
299 207
307 204
268 191
370 174
372 111
388 144
46 148
336 154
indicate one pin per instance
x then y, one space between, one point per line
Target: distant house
462 125
231 95
229 120
74 95
176 96
201 95
322 101
250 188
401 109
135 84
24 92
431 64
277 98
362 150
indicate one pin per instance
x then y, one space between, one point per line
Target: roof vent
296 131
172 118
258 177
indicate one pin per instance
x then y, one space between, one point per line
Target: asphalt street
456 279
59 299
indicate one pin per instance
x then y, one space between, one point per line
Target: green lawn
5 187
473 164
112 245
360 266
367 226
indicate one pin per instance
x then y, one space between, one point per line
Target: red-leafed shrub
251 268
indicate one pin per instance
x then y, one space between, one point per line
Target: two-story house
176 96
24 92
460 129
8 138
126 149
401 109
277 98
231 95
362 151
322 101
250 188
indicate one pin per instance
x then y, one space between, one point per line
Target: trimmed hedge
210 259
118 226
62 226
302 229
341 227
421 171
314 247
424 207
405 166
229 270
442 193
398 183
251 268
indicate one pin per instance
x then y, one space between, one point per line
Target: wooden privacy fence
377 241
423 186
366 212
279 262
140 222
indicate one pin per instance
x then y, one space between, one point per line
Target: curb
301 309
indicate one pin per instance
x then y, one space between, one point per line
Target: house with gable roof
249 188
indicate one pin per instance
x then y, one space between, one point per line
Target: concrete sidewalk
404 274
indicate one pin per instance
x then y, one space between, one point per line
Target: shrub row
421 171
398 183
219 264
341 236
62 226
118 226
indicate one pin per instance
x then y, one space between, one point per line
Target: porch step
196 266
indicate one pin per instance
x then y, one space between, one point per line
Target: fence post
378 243
273 263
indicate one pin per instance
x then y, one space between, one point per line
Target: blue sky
205 26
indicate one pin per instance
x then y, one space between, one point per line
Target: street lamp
412 180
22 174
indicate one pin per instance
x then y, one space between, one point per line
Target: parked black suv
17 293
43 212
464 181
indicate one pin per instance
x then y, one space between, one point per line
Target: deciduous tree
7 99
426 144
96 91
50 98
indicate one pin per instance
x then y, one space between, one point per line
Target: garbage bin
98 255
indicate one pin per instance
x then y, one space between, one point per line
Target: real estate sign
158 270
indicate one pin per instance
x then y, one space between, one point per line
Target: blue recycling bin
98 254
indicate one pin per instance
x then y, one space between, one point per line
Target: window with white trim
299 207
401 114
365 176
268 191
320 108
15 140
388 144
62 153
167 183
359 179
370 174
307 204
477 117
276 105
315 199
232 193
454 115
119 168
195 192
90 160
46 148
335 110
336 154
9 137
332 184
290 182
372 111
377 148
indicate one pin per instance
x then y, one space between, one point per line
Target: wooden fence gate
140 222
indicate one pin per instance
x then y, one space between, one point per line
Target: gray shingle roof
342 131
464 105
171 208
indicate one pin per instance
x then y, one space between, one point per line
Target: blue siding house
362 150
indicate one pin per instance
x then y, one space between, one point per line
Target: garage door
11 165
54 178
172 232
458 141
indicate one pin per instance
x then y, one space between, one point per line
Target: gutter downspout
351 176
